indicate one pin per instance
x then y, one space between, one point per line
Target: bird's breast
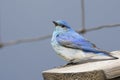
68 54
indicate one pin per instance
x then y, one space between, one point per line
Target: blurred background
21 19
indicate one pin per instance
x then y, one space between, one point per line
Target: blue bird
72 46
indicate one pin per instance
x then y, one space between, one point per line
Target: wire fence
82 31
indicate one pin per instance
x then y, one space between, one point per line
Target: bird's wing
78 42
73 40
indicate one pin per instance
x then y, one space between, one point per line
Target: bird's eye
63 26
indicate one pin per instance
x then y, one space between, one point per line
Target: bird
72 46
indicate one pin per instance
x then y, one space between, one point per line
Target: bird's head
61 26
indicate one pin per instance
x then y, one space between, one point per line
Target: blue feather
65 36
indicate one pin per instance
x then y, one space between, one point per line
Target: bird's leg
71 63
68 64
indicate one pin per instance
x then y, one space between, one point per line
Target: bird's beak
55 23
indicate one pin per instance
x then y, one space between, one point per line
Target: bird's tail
109 54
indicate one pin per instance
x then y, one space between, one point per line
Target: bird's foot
67 65
71 63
